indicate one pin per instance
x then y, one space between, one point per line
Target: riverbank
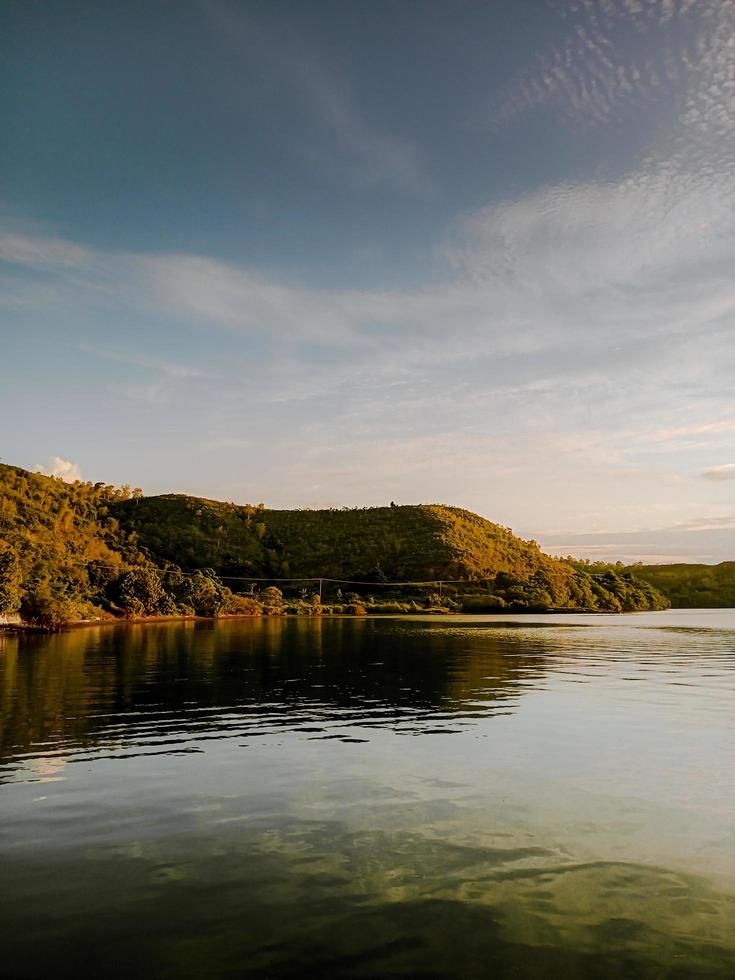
20 627
507 614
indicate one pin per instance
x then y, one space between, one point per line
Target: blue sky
341 253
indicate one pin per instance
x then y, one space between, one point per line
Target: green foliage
140 592
48 609
390 608
377 545
10 580
366 544
481 603
271 599
691 586
204 594
241 605
355 609
64 555
61 533
99 548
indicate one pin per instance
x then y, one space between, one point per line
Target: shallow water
458 797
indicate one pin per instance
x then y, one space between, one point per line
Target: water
461 797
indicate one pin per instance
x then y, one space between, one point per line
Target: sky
342 253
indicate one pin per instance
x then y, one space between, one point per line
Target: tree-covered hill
488 566
69 551
692 586
65 556
419 542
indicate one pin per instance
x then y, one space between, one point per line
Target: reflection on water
362 798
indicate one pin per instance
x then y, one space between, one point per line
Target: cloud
724 472
375 156
707 539
615 283
708 130
595 267
365 153
64 468
571 334
574 239
162 378
599 69
38 251
720 425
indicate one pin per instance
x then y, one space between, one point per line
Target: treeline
417 543
691 586
65 556
83 550
381 545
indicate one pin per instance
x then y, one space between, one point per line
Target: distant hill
419 542
692 586
71 550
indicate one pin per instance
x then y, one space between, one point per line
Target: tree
271 599
204 594
139 591
10 579
43 607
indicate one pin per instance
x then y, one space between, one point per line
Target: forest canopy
71 551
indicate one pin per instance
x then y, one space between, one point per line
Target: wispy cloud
602 277
362 151
703 428
162 378
170 369
39 251
565 341
374 156
718 473
708 539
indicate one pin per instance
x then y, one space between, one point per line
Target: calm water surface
464 797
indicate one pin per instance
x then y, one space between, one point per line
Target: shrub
481 603
42 608
389 607
139 592
355 609
10 579
271 599
204 594
242 605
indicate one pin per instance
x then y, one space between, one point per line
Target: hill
419 542
70 550
64 556
692 586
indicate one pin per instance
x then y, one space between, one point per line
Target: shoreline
29 628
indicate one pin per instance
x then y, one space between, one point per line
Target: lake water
407 797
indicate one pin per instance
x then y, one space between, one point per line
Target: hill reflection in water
361 798
178 681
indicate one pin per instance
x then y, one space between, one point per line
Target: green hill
68 550
64 555
692 586
417 543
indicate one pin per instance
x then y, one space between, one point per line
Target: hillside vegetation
692 586
69 551
64 555
415 543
